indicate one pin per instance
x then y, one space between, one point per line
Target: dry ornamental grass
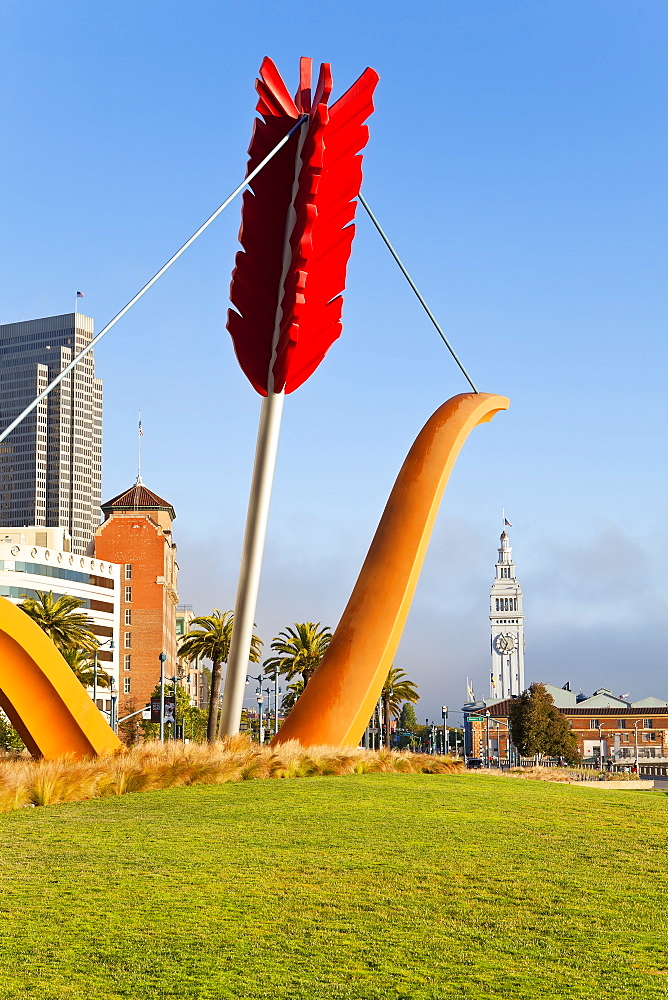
155 766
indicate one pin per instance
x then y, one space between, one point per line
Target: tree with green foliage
537 727
397 689
209 637
299 649
408 719
10 741
292 694
60 618
83 668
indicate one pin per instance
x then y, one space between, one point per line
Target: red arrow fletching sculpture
287 285
296 227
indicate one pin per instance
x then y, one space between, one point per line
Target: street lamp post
113 716
600 751
497 723
162 657
444 713
259 679
635 736
267 692
277 691
487 714
260 701
174 683
107 642
464 714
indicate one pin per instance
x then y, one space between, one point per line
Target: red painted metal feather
296 229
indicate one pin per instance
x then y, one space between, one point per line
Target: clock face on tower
505 642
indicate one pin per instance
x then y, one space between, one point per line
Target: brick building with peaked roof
137 533
607 726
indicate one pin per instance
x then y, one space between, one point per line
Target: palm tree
396 690
209 636
65 625
84 669
292 694
300 650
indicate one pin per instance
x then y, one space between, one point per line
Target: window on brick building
127 662
594 723
647 724
128 571
621 723
128 594
128 616
128 640
126 685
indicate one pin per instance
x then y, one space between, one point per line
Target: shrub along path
372 887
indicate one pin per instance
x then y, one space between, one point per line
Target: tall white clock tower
507 627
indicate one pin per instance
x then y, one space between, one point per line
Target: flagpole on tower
140 434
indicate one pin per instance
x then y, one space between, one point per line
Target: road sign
476 718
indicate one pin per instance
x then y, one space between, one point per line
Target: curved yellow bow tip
44 701
340 697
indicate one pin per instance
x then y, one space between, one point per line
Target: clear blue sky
518 161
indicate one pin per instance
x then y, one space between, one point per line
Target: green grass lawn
374 886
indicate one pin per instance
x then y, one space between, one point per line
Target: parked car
475 762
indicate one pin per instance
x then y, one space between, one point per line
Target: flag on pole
80 295
141 432
506 521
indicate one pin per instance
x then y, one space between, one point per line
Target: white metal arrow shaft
258 504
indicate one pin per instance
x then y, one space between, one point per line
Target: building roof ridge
137 497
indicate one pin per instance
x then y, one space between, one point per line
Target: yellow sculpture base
340 697
44 701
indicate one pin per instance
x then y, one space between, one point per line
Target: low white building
36 559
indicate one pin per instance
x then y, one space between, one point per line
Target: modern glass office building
51 465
